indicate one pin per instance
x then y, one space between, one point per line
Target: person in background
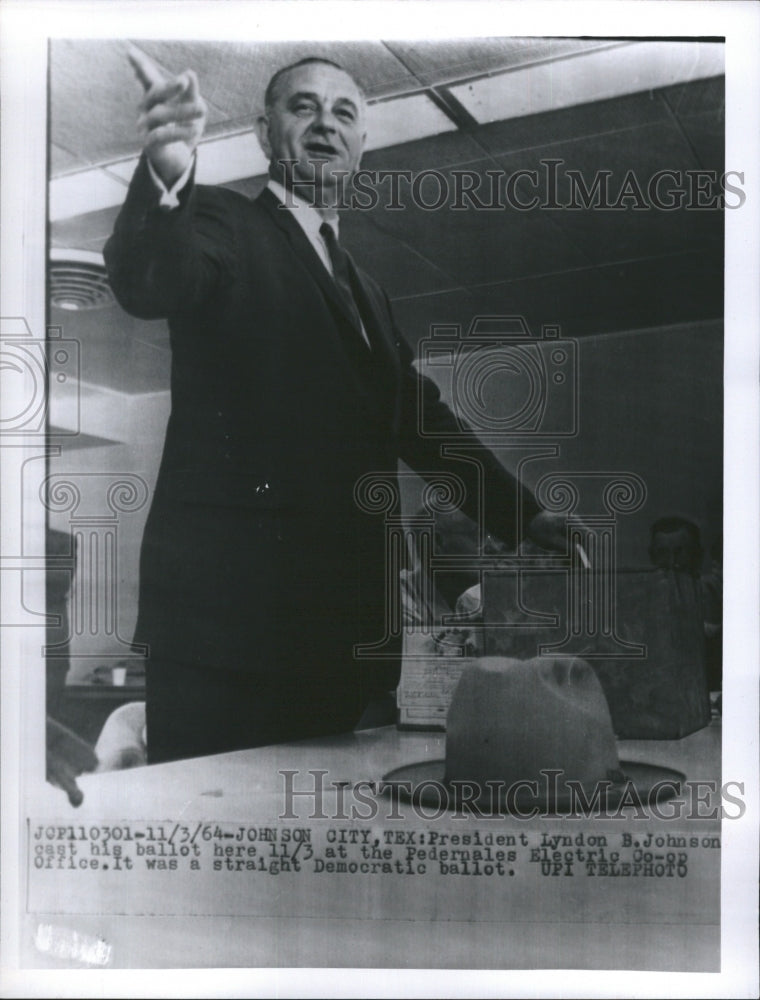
676 545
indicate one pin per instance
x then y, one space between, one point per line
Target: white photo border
24 30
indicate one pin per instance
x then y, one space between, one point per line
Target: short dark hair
269 94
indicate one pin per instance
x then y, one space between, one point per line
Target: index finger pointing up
191 87
146 70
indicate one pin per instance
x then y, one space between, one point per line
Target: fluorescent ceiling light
87 191
593 76
221 159
123 168
404 120
230 158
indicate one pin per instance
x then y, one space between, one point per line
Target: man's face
675 550
317 115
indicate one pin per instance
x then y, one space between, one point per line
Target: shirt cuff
170 196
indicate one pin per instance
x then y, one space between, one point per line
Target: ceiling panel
416 315
404 120
698 96
234 75
475 246
609 235
479 247
613 115
443 61
707 135
117 351
229 73
448 149
76 442
550 299
658 291
84 191
626 69
95 118
251 187
636 294
400 267
62 161
81 231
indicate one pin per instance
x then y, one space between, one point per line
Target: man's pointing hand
172 116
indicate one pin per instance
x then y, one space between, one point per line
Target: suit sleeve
508 506
162 262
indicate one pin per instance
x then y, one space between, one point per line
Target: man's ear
262 133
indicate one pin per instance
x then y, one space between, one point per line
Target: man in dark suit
290 381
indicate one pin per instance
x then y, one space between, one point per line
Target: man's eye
345 115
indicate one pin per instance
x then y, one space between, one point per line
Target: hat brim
425 784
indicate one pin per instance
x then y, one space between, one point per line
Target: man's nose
325 121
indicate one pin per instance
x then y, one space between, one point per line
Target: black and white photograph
379 469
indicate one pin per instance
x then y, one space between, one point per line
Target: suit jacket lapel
305 251
370 363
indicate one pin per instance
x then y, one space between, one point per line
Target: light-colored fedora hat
532 733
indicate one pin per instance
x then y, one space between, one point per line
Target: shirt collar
305 214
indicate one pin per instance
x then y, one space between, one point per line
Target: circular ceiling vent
78 280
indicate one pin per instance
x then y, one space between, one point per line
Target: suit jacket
256 555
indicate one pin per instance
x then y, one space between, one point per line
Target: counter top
253 777
227 869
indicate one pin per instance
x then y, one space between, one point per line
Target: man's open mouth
321 149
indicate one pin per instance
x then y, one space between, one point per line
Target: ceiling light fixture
77 280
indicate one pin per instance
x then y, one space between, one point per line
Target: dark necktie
342 273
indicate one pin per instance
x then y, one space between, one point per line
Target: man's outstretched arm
160 260
510 510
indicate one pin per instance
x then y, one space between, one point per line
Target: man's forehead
322 79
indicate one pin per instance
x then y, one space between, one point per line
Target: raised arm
172 116
164 259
